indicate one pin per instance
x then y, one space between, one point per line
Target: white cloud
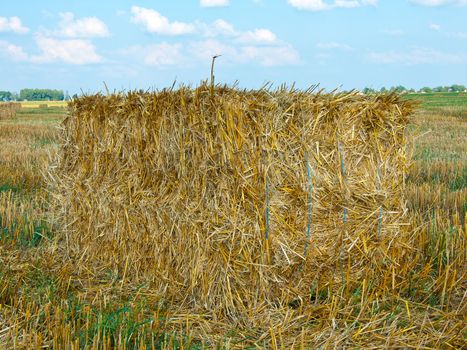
334 46
219 27
87 27
394 32
417 56
284 54
214 3
205 49
259 45
321 5
12 24
13 52
311 5
154 22
434 3
434 26
271 56
165 54
73 51
162 54
260 36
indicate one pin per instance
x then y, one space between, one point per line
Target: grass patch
440 100
24 233
445 104
42 110
6 187
43 142
131 326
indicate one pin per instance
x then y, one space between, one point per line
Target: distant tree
6 96
383 89
368 90
426 90
457 88
41 95
399 89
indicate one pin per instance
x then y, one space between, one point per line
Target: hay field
44 304
37 104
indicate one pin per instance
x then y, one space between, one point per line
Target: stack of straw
8 109
230 201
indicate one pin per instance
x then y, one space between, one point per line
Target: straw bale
8 109
206 196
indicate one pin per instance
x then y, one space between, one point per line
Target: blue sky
142 44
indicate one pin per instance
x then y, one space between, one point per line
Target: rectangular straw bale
8 109
179 188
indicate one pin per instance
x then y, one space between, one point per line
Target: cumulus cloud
87 27
259 45
12 24
222 28
161 54
271 55
434 3
154 22
434 26
13 52
394 32
69 42
214 3
321 5
263 55
72 51
334 46
166 54
218 27
203 50
417 56
261 35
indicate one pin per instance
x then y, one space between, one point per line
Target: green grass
42 142
40 110
26 234
440 100
8 187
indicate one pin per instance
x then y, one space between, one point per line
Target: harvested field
110 297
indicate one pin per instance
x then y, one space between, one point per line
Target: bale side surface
180 189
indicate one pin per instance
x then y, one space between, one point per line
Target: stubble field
43 306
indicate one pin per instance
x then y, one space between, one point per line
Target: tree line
34 95
403 89
59 95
